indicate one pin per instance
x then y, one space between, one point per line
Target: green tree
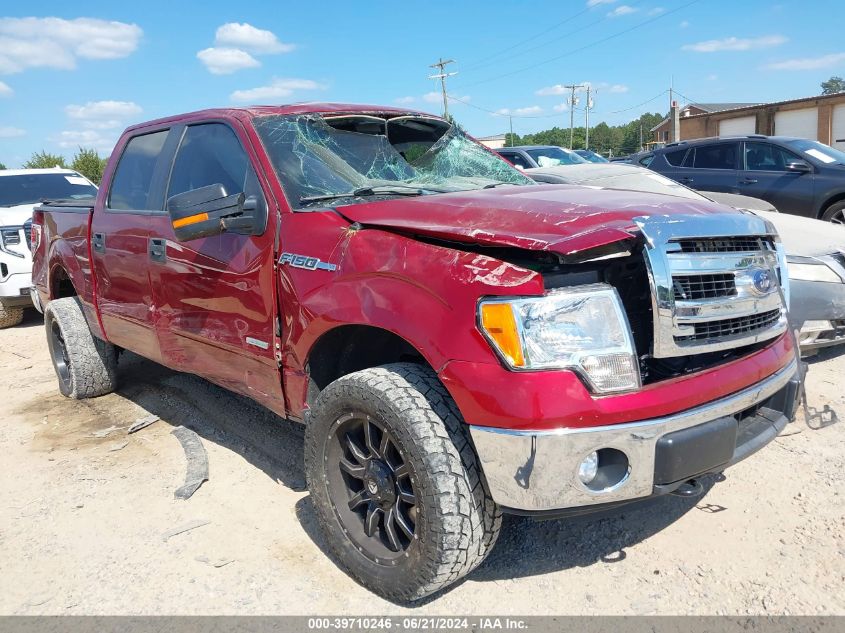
43 160
833 85
2 166
88 163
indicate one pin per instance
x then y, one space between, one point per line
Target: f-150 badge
303 261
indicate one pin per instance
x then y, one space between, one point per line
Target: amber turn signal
499 323
191 219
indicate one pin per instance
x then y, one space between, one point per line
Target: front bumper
814 302
14 289
537 471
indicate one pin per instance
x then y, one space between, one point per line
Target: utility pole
572 103
587 106
511 121
442 77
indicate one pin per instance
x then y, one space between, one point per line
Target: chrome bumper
538 470
36 300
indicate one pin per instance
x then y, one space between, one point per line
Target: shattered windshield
350 159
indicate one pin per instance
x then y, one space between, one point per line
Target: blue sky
76 73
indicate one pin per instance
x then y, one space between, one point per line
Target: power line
586 46
486 61
557 38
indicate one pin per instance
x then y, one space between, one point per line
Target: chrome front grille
688 287
724 245
714 282
732 327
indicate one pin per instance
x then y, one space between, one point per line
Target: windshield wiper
365 191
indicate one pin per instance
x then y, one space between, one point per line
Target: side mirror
206 211
799 166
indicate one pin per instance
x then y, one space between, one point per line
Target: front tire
85 365
396 483
835 213
10 316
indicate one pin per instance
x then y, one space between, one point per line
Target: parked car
458 341
815 250
796 175
528 156
590 156
20 191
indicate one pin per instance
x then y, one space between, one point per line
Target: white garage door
838 132
738 126
800 123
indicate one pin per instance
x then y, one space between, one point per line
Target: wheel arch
838 197
348 348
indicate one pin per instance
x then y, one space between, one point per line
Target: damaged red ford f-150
459 341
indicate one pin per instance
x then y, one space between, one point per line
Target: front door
765 176
119 245
215 296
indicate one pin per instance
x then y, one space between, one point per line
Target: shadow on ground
526 547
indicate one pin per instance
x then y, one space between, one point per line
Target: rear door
120 233
711 167
764 175
215 296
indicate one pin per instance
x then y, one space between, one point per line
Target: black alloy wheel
371 488
59 354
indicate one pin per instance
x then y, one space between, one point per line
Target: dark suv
796 175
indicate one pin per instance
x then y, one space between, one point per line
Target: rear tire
10 316
835 213
85 365
407 513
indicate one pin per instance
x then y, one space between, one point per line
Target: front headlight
582 328
812 272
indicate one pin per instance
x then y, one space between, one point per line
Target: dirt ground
85 510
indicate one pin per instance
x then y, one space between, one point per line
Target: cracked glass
352 159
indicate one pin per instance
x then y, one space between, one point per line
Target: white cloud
247 37
602 86
736 44
5 90
225 61
656 11
527 111
404 100
561 107
86 138
684 24
103 115
276 89
712 77
103 109
557 89
432 97
57 43
11 132
808 63
595 3
622 9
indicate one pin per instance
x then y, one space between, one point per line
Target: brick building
820 118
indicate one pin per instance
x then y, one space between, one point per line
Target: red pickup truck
459 341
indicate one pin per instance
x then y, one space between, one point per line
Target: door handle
685 179
748 181
158 249
98 242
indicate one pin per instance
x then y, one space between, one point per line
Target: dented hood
562 218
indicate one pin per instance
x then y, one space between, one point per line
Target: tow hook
690 488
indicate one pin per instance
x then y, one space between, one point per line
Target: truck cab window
210 154
134 174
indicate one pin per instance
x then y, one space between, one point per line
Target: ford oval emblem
763 281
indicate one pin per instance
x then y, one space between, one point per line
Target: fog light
589 468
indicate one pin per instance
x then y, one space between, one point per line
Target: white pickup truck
20 191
